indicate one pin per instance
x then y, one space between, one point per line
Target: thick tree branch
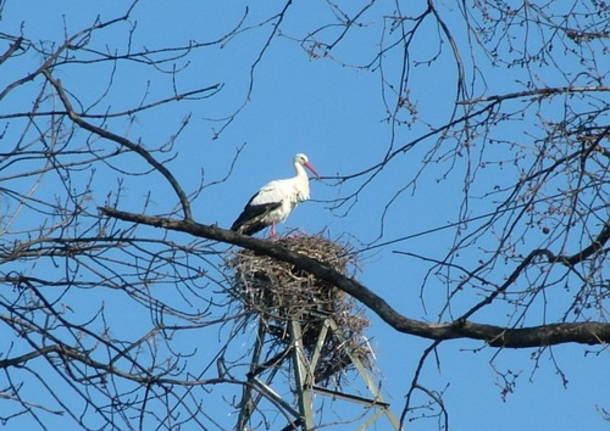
538 92
69 43
585 332
569 261
66 351
11 50
22 359
591 249
212 90
186 208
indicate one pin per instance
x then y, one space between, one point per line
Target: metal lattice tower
299 410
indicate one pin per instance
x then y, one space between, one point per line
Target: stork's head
303 160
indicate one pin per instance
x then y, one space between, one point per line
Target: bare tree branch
186 207
539 92
585 332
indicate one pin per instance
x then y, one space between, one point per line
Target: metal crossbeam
350 397
366 377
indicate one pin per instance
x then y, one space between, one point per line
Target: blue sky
332 110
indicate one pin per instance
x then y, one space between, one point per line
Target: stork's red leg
273 232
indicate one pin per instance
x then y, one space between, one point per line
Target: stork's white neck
301 182
300 170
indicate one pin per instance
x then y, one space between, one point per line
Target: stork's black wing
251 218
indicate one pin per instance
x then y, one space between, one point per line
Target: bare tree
521 141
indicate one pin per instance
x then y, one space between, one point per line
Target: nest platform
278 292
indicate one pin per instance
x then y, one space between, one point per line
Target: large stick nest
278 292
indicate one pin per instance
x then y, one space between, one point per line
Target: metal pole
247 404
303 384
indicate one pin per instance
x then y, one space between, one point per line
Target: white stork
275 200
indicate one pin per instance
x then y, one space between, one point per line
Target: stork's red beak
312 169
